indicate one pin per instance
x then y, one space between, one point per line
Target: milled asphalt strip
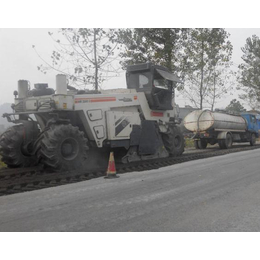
198 195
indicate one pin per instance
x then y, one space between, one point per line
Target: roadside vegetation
2 165
189 142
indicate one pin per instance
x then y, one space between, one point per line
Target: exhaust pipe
61 84
23 88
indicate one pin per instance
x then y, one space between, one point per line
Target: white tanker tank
224 129
204 120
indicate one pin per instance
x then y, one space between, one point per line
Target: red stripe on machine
91 100
159 114
102 99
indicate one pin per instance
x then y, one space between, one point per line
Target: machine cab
157 82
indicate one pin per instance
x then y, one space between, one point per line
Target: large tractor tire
63 147
174 141
12 148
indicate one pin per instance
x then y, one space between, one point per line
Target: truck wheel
253 140
174 141
63 147
202 143
12 151
220 143
226 143
196 144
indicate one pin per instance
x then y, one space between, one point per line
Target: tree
249 71
207 56
86 55
235 107
221 83
159 45
251 99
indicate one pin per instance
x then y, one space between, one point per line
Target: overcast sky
19 60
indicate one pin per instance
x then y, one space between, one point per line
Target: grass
2 165
189 143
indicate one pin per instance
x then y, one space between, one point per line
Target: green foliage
235 107
249 76
159 45
189 142
2 165
199 56
206 62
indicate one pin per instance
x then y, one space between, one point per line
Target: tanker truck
222 128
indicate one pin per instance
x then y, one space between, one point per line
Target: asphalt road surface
215 194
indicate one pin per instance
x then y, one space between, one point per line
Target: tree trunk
168 48
95 60
202 75
214 91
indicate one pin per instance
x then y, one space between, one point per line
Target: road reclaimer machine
60 128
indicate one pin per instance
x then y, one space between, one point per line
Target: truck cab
252 122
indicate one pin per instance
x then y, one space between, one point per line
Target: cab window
253 119
143 81
139 81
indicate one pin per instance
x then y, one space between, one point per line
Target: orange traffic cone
111 169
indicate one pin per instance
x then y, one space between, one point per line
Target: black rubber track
27 179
